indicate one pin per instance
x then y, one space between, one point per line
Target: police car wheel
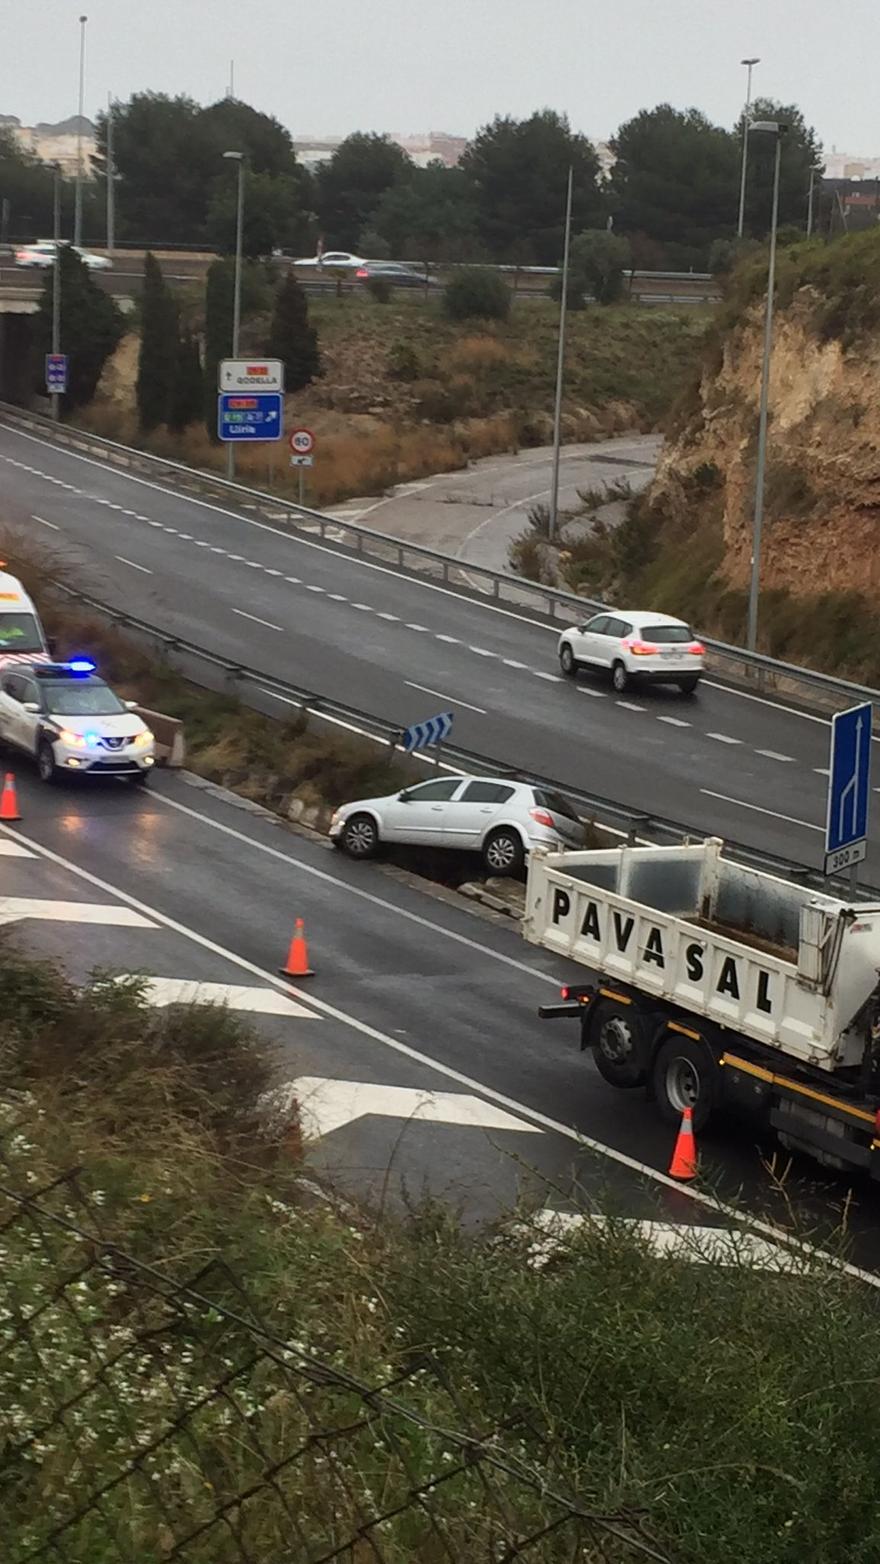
48 771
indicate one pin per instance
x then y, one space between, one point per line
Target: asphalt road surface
412 994
726 762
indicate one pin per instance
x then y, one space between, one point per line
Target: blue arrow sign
422 735
56 373
250 415
849 788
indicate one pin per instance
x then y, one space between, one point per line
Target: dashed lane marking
675 722
723 738
772 754
44 523
630 705
266 623
453 699
758 810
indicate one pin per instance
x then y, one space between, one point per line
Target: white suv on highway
635 648
501 820
70 721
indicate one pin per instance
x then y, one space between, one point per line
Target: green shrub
380 289
404 362
477 293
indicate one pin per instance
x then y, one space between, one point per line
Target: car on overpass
332 260
396 274
634 648
42 255
72 723
497 818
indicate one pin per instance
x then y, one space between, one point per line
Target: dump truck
714 984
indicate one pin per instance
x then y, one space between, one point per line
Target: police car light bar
81 665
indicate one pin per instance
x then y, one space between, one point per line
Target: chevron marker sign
422 735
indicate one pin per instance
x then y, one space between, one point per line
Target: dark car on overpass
396 274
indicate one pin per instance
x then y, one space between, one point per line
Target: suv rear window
556 803
667 635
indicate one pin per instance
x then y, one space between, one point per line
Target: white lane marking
453 699
267 623
364 564
337 597
272 572
480 651
234 996
311 587
365 608
12 850
253 564
133 563
326 1105
139 517
772 754
723 738
200 542
684 1241
629 705
213 546
239 558
392 618
14 907
741 804
509 662
823 771
44 523
169 529
596 695
644 1169
294 580
674 722
552 678
423 629
156 524
131 513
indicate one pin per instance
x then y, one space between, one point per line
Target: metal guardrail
632 825
752 670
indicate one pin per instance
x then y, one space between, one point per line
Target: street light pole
236 286
56 280
771 127
111 176
813 172
560 365
745 146
77 209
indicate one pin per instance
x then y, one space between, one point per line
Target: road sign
302 461
301 442
422 735
56 373
250 374
325 1105
849 788
250 416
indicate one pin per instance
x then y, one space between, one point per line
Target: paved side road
726 763
421 1061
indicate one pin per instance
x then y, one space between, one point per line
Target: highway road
726 762
412 994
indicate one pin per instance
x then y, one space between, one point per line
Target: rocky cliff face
822 493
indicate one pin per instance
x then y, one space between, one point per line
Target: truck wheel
684 1075
620 1048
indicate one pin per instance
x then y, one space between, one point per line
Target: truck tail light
697 649
565 993
543 817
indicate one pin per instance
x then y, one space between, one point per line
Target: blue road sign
424 734
56 373
849 788
250 415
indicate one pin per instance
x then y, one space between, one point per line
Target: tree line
673 191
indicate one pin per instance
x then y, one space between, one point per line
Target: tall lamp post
766 127
236 157
815 168
77 209
560 365
749 64
56 279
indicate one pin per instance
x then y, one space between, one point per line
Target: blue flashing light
92 738
81 665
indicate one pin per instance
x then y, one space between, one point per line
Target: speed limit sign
301 442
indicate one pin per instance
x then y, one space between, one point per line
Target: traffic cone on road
684 1157
297 965
8 800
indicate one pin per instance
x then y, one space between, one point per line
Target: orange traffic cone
8 800
684 1157
297 965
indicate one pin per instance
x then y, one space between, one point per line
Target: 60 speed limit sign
301 442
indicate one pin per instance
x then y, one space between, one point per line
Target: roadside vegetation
195 1344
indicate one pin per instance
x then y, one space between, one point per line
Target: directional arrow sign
422 735
326 1105
849 788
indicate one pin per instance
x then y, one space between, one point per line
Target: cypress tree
91 327
157 360
187 396
291 338
218 334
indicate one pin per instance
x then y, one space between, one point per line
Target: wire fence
147 1416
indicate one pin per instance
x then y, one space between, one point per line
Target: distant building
55 143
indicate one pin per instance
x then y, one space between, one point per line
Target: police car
71 722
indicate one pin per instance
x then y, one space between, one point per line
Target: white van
22 637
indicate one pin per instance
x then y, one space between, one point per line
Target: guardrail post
638 823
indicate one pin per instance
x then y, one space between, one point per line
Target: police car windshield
72 698
20 633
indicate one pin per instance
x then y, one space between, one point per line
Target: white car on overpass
42 255
499 819
333 260
634 648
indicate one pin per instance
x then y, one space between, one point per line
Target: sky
328 67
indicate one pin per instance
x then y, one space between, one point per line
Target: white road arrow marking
327 1105
679 1241
235 996
13 850
15 907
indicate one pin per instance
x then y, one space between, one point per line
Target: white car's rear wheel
359 837
619 678
567 661
503 852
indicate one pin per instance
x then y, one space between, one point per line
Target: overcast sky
333 66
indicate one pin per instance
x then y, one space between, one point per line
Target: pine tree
157 361
291 338
218 334
187 396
